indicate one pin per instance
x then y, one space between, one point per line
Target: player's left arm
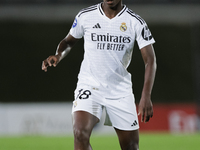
145 108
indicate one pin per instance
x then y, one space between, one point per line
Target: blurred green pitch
150 141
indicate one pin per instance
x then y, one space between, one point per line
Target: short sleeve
143 35
77 29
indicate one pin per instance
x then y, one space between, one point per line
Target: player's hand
50 61
145 109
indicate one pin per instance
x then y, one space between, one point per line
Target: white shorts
120 113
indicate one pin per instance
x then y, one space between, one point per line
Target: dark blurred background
30 31
96 1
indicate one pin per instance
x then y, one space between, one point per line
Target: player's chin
109 2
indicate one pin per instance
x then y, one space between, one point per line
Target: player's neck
111 12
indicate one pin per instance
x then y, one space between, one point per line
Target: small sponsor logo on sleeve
75 23
146 34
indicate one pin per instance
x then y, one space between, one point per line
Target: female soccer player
109 30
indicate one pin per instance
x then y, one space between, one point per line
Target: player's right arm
63 49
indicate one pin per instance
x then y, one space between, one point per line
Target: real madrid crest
123 27
75 104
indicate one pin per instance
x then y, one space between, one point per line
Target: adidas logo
97 26
134 123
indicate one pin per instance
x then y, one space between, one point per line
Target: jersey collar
103 14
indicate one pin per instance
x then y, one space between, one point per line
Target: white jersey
108 45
